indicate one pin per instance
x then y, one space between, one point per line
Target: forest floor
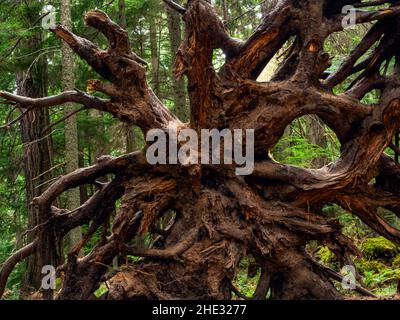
395 297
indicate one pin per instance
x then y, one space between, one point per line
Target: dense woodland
39 145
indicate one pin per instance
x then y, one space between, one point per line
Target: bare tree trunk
155 81
178 85
122 13
83 190
71 129
224 10
37 163
317 136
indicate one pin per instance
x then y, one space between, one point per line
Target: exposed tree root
221 217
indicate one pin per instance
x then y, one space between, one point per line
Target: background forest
38 146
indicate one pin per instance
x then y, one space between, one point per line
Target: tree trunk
71 129
317 136
224 10
270 214
155 81
37 163
178 85
122 13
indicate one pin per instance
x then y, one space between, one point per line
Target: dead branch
10 263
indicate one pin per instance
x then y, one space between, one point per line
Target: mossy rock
396 262
379 248
327 257
374 266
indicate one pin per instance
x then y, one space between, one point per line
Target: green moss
389 290
378 276
244 283
396 262
327 257
375 266
378 248
385 277
101 290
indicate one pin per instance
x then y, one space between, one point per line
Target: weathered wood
271 214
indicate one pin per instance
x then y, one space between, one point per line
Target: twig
177 7
10 263
63 119
47 171
9 124
20 39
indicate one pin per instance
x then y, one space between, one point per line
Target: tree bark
317 137
122 13
71 129
155 81
178 85
37 163
224 10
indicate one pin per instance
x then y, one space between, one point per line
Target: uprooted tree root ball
221 217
